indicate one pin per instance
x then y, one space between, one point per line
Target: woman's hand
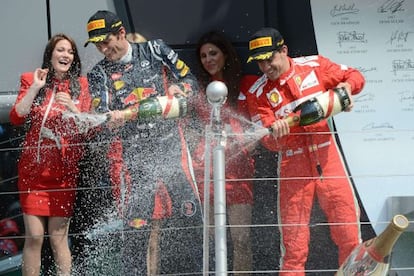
64 99
39 78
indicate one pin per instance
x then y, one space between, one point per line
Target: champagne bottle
154 107
320 107
168 107
372 256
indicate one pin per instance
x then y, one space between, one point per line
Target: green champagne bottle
320 107
152 107
164 106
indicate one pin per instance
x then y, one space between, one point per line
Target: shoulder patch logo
188 208
274 97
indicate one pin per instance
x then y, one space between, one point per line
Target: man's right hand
280 128
116 119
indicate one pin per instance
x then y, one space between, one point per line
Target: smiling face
62 58
213 60
276 65
115 46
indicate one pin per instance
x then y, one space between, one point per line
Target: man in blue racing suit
145 88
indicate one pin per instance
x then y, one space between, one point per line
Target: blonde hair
135 37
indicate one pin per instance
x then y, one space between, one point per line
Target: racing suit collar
288 74
128 56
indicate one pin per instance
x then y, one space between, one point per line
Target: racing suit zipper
314 149
319 169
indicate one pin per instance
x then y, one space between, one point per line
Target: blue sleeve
98 89
177 66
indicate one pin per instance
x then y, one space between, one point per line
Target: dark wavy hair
74 70
232 71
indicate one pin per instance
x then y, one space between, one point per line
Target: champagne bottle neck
383 244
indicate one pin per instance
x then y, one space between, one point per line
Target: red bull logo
138 94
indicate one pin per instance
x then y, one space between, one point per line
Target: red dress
48 165
239 163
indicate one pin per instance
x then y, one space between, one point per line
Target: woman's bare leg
32 249
58 231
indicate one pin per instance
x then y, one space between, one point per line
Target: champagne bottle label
173 107
169 107
342 98
149 108
365 266
333 101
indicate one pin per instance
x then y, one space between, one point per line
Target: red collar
288 74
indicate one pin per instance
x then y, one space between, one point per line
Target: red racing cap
263 43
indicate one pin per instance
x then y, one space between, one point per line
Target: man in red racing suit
310 162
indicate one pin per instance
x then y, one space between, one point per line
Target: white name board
376 37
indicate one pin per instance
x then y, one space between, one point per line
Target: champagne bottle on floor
372 256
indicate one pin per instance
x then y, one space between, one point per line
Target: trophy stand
216 95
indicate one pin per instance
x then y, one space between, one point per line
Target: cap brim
261 56
96 39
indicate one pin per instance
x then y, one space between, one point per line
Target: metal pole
206 225
220 233
217 94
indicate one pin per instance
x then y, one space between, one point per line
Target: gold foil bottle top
400 222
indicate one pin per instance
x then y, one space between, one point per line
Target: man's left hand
348 90
175 90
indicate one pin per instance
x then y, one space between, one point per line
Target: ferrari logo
274 97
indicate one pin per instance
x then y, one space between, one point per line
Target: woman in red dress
48 165
219 61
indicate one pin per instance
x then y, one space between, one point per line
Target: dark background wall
181 22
